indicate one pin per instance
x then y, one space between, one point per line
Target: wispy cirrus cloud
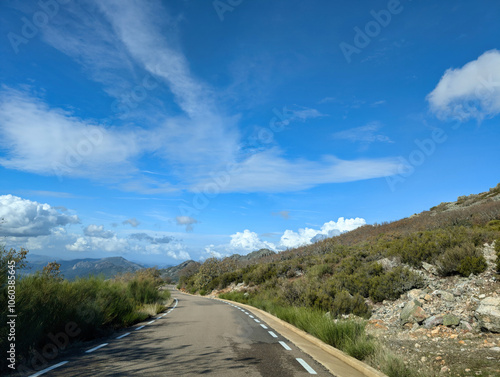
366 134
193 142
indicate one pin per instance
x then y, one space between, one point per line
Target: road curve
200 336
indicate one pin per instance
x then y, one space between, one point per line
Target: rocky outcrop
413 313
488 314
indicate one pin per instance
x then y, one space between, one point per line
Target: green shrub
462 259
391 285
46 304
345 303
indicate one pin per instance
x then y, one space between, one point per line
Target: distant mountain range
107 267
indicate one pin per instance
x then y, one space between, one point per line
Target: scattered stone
488 314
465 326
445 369
429 268
414 294
387 264
482 296
451 320
432 321
496 349
446 296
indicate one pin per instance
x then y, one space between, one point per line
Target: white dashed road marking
96 348
263 326
48 369
123 336
306 366
285 346
272 334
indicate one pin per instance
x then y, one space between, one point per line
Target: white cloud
306 236
80 244
366 134
269 171
472 91
133 222
51 141
302 113
25 218
249 241
97 231
187 221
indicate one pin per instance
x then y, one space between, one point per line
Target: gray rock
414 294
451 320
447 296
413 313
432 321
488 314
429 268
465 325
387 264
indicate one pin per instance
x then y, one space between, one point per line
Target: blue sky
171 130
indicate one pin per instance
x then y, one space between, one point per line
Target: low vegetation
316 287
47 304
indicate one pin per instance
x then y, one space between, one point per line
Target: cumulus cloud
187 221
306 236
472 91
80 244
249 241
97 231
26 218
132 222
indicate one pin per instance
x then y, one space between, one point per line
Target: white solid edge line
272 334
48 369
150 322
263 326
306 366
96 348
123 336
140 327
285 346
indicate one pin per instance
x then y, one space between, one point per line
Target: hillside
108 267
428 284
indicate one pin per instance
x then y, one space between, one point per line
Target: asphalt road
200 336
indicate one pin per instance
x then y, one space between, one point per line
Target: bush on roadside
462 259
46 304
